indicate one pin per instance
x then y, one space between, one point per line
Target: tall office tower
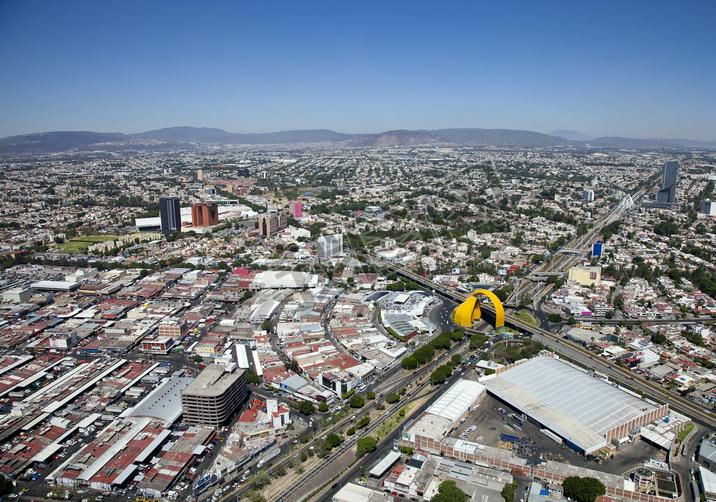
170 214
330 245
204 214
588 195
200 175
669 179
272 222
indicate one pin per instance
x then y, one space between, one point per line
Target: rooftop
582 412
213 381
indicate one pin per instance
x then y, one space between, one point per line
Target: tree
332 440
366 445
554 318
259 480
409 363
508 492
357 402
583 489
252 377
658 339
362 422
370 395
323 407
449 492
392 398
306 408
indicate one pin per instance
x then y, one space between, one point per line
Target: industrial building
214 395
429 429
588 414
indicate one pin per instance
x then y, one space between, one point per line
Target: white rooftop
568 401
457 400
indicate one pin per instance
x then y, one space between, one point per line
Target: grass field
526 317
79 244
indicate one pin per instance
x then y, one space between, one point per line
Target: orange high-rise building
204 214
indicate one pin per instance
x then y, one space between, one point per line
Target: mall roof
572 403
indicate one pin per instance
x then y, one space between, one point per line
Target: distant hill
499 137
636 144
570 134
209 135
174 137
56 141
397 138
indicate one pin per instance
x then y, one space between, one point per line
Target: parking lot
493 418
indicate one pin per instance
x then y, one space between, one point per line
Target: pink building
296 208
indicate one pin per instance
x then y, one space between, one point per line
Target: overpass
563 346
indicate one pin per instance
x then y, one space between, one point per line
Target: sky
620 68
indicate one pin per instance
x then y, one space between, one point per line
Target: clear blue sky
636 68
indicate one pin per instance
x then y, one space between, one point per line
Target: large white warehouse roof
572 403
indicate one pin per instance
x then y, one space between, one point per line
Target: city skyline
633 70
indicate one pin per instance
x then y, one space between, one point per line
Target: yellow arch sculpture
469 310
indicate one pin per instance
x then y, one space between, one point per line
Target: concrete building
708 207
707 452
170 214
272 222
17 295
588 414
586 276
428 431
330 245
204 214
172 328
669 180
214 396
588 195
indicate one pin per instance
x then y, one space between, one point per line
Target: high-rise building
213 396
708 207
272 222
588 195
200 175
204 214
296 208
170 214
330 245
669 179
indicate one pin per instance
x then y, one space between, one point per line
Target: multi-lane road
578 353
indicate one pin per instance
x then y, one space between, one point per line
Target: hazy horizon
637 70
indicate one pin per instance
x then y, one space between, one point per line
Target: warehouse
428 430
586 411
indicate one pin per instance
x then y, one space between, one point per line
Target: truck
268 457
509 438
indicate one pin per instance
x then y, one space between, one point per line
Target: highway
576 352
391 409
570 254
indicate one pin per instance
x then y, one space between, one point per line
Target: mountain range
173 137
